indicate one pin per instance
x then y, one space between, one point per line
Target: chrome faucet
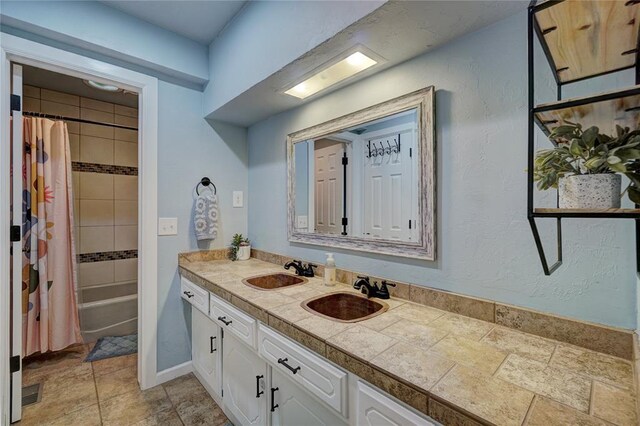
372 290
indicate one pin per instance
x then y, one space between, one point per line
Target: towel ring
205 181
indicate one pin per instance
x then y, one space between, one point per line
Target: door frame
16 49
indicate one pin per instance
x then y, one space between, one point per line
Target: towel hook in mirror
205 181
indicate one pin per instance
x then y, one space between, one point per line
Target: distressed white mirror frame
425 247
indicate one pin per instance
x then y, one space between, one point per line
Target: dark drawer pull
258 391
188 294
283 361
212 338
273 406
224 320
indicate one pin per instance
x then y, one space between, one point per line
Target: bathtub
108 310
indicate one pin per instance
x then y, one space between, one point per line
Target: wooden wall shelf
587 38
581 39
587 213
605 110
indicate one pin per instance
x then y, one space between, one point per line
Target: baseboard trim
174 372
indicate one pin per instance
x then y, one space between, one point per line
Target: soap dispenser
330 271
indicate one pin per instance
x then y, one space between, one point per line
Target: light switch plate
168 226
238 199
302 221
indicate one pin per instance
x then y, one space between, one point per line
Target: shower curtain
50 315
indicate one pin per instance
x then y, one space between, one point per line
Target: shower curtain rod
77 120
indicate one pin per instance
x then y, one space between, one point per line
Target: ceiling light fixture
102 86
327 77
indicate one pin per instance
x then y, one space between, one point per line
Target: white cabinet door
205 351
243 382
294 406
376 409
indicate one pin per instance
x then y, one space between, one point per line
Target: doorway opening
90 138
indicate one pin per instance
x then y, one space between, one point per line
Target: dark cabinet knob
188 294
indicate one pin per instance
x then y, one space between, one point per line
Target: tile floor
106 393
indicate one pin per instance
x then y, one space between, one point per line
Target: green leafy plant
236 242
579 152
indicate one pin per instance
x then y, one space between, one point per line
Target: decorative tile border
597 337
78 166
107 255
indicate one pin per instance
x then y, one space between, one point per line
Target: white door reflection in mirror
365 181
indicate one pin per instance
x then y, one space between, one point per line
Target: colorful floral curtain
50 314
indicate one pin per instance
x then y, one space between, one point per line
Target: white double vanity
260 377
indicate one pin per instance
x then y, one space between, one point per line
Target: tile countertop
456 369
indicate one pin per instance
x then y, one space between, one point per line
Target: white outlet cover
238 199
302 221
168 226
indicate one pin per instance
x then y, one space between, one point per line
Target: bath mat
113 346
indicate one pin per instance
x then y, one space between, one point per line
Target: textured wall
268 35
485 247
104 31
188 149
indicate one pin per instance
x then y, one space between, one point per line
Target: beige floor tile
602 367
420 335
89 416
110 365
163 418
182 388
560 385
132 407
418 313
50 362
198 411
462 326
322 328
485 396
546 412
62 377
411 363
63 396
117 383
613 405
362 342
522 344
470 353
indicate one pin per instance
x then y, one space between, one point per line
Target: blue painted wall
485 247
102 30
189 148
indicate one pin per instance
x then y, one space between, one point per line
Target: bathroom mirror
366 181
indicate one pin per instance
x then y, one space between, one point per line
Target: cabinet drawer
234 321
315 374
373 407
195 295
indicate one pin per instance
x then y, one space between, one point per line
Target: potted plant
240 248
586 166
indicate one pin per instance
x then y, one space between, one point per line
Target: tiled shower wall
105 183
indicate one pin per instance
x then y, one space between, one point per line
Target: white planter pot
244 253
601 191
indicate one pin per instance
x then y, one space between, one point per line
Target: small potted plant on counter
586 166
240 248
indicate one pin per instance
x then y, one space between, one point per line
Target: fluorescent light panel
349 66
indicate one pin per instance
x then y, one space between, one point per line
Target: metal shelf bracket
543 258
